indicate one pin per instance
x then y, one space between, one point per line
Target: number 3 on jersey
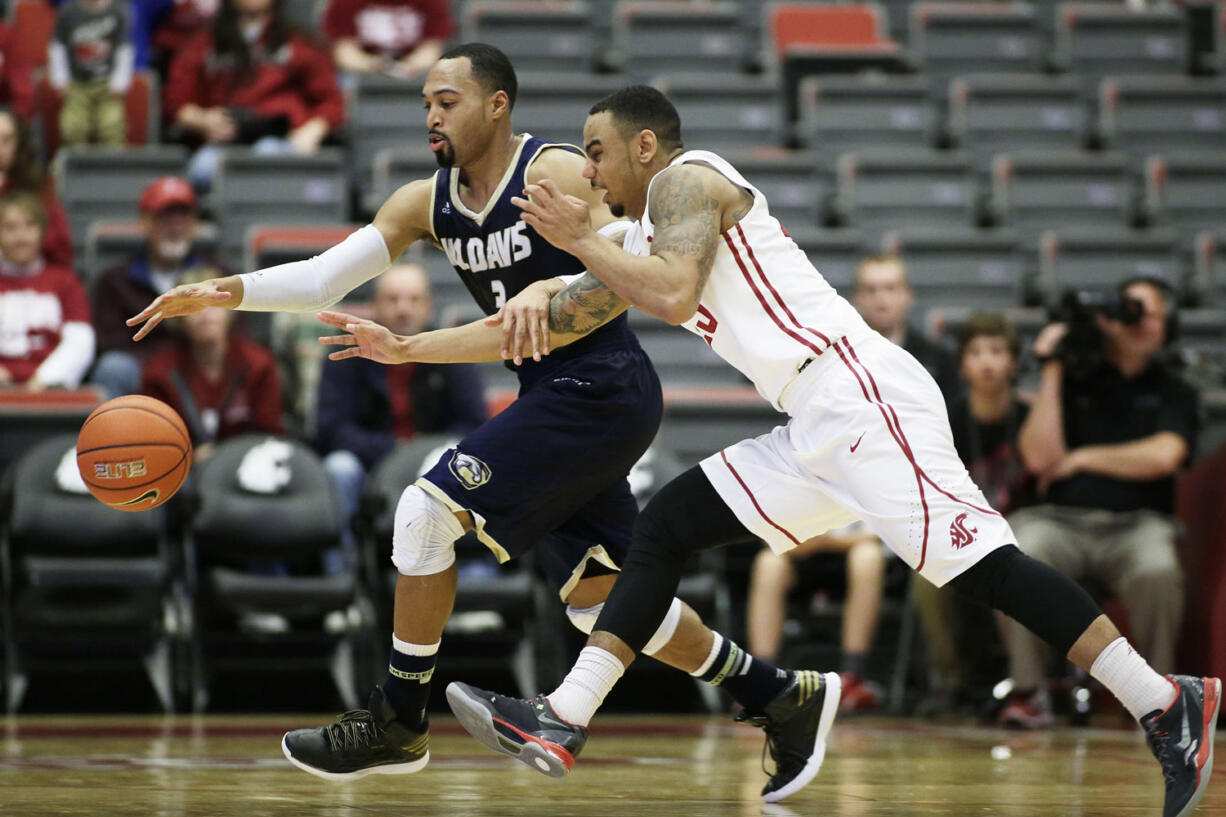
500 292
707 325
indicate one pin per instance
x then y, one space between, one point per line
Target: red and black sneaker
529 731
1181 738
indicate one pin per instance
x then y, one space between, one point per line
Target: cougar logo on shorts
470 471
959 534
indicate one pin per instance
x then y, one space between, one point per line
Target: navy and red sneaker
1181 738
529 731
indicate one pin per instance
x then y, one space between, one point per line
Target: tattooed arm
689 204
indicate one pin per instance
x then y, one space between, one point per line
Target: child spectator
46 338
90 63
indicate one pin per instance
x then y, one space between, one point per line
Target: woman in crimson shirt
221 384
398 37
20 171
252 80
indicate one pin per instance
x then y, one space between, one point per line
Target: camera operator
1109 428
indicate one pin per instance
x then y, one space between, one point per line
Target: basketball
133 452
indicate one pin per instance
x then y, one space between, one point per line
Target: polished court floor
675 766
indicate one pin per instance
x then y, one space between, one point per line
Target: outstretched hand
524 320
560 219
365 339
182 300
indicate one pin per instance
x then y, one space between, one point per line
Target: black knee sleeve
683 518
1034 594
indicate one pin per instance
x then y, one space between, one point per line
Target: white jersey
765 309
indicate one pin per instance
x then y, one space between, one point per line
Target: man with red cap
168 221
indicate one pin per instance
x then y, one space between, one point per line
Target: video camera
1081 348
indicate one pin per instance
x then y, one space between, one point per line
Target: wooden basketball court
215 765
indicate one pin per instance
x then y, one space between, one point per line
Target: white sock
408 648
583 690
1131 679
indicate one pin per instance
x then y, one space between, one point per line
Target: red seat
33 25
812 27
292 239
140 106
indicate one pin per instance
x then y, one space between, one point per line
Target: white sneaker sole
1207 770
387 768
832 688
479 723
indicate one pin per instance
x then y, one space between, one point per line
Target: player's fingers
146 312
517 342
529 207
148 327
537 192
495 319
341 320
338 340
549 187
534 332
575 201
352 351
542 320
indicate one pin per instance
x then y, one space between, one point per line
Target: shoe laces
773 742
353 730
1159 744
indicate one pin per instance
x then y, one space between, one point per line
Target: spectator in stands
160 28
221 384
168 221
90 63
46 339
883 295
365 407
1106 438
21 171
774 575
251 80
16 86
961 637
402 38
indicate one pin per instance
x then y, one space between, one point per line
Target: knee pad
584 618
423 542
664 632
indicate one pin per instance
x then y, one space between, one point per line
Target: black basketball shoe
529 731
797 723
1182 740
361 742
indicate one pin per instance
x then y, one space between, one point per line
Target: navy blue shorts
549 472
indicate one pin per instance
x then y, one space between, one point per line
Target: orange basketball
134 452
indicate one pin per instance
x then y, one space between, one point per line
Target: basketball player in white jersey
867 438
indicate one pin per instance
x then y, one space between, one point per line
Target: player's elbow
676 310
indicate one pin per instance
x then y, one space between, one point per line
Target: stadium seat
384 114
290 189
33 23
835 253
682 359
111 242
395 167
1095 40
1101 257
1186 190
842 113
554 106
995 113
1210 267
960 266
647 33
700 421
793 184
1201 333
961 38
1038 189
882 189
1155 114
142 109
85 586
234 532
725 111
96 183
509 595
535 36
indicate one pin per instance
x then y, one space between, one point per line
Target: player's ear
500 104
646 146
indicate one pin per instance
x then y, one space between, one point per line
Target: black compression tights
685 517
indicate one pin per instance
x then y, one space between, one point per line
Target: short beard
445 157
618 210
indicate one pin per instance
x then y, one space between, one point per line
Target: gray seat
1203 332
960 266
1162 113
682 359
554 106
675 35
792 182
1094 40
231 532
85 586
725 111
97 183
996 113
959 38
1100 257
880 190
250 188
1209 267
384 114
699 424
535 36
835 252
1186 190
393 168
1035 190
842 113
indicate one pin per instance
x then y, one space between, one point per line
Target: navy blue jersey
496 254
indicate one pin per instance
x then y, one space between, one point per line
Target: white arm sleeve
69 361
319 282
615 231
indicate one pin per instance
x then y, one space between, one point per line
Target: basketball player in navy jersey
547 473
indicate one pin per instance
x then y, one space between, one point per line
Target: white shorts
868 439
